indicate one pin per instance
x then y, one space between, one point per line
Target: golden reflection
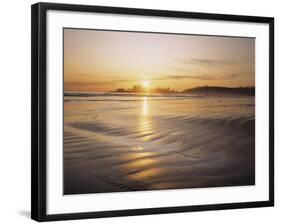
143 163
139 160
139 155
144 106
145 127
140 163
137 148
146 174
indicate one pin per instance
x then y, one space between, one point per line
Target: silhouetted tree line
205 90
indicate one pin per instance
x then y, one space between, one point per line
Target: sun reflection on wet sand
137 148
141 166
144 106
145 127
146 174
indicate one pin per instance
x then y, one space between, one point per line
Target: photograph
157 111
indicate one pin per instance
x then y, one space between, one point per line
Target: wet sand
116 143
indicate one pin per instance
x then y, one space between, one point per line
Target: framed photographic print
140 111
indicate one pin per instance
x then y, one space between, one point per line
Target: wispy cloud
204 61
200 77
204 77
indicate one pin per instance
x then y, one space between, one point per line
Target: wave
131 97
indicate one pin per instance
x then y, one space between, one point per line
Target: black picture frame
39 107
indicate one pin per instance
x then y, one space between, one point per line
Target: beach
116 142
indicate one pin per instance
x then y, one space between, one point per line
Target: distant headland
142 89
219 90
202 90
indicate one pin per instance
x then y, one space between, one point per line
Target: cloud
204 77
217 62
233 75
200 77
83 75
180 69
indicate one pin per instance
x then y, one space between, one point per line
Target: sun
145 84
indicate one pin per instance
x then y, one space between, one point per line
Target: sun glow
145 84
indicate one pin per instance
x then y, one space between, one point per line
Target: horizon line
179 91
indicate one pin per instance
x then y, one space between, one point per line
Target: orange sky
97 60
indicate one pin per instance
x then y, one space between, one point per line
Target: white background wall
15 110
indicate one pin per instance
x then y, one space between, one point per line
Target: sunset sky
106 60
